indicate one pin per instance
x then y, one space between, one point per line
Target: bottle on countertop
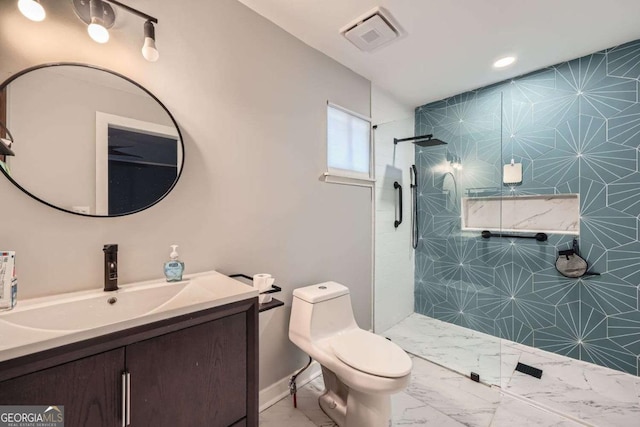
8 280
174 268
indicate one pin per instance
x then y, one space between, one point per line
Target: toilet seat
371 353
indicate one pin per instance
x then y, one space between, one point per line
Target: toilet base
351 408
335 409
368 410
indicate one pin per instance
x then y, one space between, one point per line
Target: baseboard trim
272 394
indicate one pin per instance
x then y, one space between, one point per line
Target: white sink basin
41 323
91 311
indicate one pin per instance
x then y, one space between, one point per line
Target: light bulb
98 32
149 50
504 62
32 10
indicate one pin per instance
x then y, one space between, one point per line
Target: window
348 144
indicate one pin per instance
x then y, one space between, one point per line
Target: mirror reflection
90 141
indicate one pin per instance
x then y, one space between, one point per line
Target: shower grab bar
540 237
398 187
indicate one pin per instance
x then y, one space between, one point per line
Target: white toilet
361 370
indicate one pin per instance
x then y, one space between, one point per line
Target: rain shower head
422 140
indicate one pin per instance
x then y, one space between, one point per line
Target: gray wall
251 103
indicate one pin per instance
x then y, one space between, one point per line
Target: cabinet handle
126 399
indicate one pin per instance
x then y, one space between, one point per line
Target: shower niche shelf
548 213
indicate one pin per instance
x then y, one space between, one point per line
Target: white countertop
39 324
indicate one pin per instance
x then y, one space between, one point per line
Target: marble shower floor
591 394
435 397
460 349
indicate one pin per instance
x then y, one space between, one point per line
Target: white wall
251 103
394 262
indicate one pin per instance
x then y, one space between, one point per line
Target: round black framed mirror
89 141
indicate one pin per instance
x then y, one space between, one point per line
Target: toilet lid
372 354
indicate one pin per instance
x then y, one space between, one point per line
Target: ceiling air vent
372 30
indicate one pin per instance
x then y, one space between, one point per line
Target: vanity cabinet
88 388
198 375
199 369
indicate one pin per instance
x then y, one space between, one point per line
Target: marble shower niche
555 213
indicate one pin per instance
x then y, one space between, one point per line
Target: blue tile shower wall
576 129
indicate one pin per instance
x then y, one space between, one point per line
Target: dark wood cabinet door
193 377
89 389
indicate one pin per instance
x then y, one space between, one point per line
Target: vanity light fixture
99 15
32 9
504 62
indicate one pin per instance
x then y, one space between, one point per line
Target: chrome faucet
110 267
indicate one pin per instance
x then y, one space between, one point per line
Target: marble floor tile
513 412
437 396
455 396
460 349
409 411
591 393
282 414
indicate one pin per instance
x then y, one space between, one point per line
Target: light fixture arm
133 11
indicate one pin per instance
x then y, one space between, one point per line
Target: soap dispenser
174 268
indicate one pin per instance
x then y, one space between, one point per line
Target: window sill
347 180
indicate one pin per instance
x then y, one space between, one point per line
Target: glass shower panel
457 295
394 260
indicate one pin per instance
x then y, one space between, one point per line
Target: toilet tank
319 311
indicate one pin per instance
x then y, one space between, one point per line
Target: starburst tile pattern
624 61
575 127
514 330
532 89
624 329
624 194
624 127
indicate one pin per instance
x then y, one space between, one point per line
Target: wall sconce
454 160
456 163
99 16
